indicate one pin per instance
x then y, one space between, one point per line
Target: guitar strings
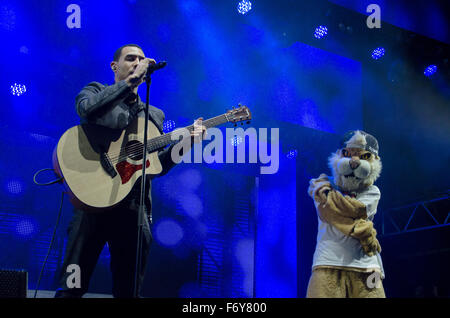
136 149
157 142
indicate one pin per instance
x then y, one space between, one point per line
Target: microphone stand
141 212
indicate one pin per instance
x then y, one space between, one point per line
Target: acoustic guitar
100 165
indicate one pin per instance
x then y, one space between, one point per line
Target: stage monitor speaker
13 283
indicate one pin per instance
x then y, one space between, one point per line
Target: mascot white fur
347 260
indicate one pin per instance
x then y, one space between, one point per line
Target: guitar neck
166 139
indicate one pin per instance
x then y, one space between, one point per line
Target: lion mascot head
356 165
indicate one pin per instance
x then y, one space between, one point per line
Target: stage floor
51 294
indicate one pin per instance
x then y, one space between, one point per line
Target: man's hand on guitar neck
199 131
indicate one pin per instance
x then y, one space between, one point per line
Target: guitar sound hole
134 150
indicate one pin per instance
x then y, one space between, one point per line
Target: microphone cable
56 225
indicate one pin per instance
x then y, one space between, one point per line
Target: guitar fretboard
163 140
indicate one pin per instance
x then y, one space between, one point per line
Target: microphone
155 67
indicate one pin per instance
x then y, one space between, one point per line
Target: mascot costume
347 260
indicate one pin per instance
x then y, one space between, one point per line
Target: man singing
115 106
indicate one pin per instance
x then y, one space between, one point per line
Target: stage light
192 205
25 228
24 50
7 18
244 6
14 187
292 154
168 126
320 32
236 140
190 180
41 138
18 89
244 254
105 255
168 232
378 53
430 70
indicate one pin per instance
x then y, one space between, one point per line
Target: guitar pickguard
126 170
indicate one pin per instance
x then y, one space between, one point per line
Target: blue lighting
378 53
292 154
18 89
244 6
320 32
244 253
41 138
168 232
7 18
25 228
14 187
168 126
236 140
190 290
105 256
24 50
192 205
190 180
430 70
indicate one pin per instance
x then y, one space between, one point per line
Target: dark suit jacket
111 106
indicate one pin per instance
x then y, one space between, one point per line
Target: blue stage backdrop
220 230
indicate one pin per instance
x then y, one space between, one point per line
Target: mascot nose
354 163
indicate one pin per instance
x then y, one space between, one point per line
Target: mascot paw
318 187
372 247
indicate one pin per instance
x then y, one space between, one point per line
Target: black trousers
87 234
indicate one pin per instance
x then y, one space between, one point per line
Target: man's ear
114 66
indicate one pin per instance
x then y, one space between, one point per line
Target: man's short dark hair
118 52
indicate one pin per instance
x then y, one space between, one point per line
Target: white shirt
336 249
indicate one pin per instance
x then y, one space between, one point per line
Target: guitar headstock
240 114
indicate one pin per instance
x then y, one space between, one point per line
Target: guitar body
101 165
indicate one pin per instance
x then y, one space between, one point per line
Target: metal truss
422 215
